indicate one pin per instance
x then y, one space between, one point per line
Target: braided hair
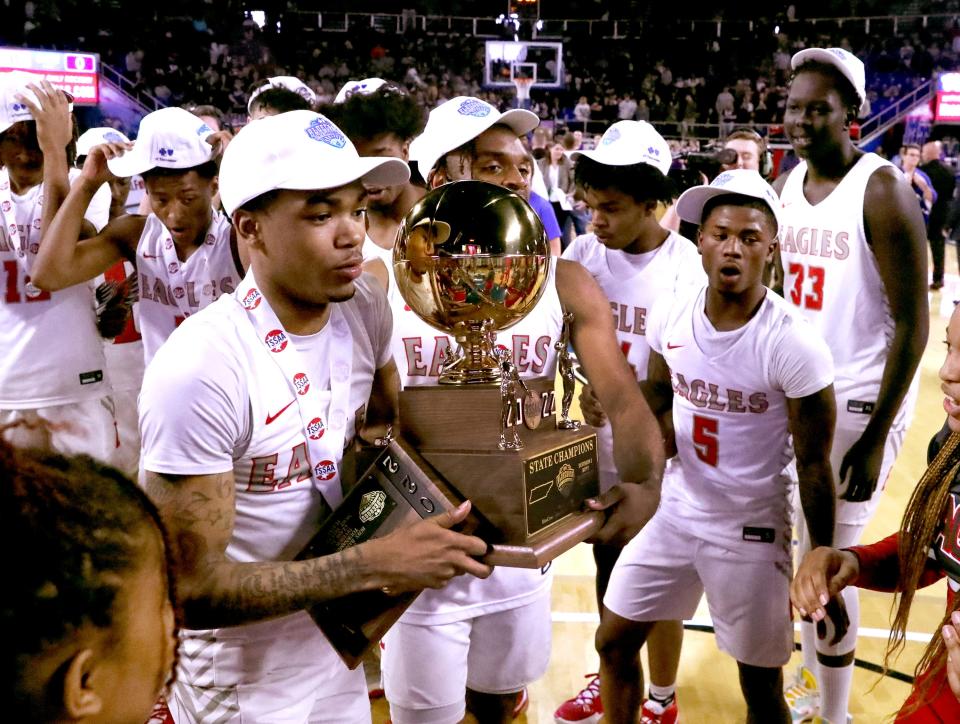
922 521
73 529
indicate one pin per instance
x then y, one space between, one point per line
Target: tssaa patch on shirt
91 378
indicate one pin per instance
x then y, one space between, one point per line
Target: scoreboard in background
948 98
76 73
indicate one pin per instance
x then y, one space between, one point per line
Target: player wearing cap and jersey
54 393
741 371
636 262
381 119
243 459
185 252
476 644
853 252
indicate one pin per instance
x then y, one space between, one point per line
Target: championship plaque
472 259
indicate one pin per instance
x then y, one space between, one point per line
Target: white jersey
52 351
171 290
418 350
831 275
214 401
730 416
632 283
372 250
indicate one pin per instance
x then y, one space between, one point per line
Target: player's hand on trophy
591 408
54 129
95 169
822 574
628 507
428 554
860 468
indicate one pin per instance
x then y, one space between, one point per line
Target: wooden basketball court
707 683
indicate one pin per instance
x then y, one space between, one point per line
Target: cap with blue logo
627 143
13 110
739 182
168 138
359 87
300 151
97 136
459 121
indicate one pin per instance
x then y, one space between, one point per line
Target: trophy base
541 548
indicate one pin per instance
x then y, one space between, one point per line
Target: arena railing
141 97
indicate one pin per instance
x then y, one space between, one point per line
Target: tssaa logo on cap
316 428
611 136
320 129
475 108
325 469
276 340
722 180
252 300
113 137
301 383
204 130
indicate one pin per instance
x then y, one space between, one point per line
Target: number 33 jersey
831 276
730 419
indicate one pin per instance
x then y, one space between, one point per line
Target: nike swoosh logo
151 256
674 346
271 418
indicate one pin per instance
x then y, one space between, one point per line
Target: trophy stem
474 362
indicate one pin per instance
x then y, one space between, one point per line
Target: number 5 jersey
730 417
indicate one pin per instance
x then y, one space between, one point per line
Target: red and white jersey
730 415
171 289
831 275
632 283
213 401
124 353
52 351
419 349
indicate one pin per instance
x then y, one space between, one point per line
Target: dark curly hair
389 109
73 527
640 180
281 100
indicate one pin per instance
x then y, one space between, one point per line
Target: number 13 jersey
831 275
730 418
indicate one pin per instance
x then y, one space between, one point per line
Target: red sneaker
584 708
655 713
523 702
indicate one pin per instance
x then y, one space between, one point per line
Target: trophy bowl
471 259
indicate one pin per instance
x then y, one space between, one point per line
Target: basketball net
523 88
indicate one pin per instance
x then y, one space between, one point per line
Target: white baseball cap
627 143
363 87
459 120
12 84
168 138
299 150
739 181
96 136
847 63
291 83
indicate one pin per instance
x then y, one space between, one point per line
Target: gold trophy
471 259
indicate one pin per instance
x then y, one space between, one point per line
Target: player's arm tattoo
812 420
199 513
